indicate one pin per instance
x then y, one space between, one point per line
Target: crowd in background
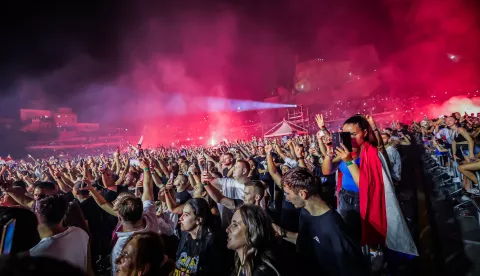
277 206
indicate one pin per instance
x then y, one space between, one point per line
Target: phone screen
342 137
7 236
134 162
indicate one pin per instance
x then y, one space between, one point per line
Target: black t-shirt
208 256
100 224
182 197
225 172
109 195
326 248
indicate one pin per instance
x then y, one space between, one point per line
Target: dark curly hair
131 209
301 179
51 209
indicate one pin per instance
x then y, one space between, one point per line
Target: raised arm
147 180
122 176
99 199
217 196
271 167
171 204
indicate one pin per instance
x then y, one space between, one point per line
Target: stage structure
299 116
285 128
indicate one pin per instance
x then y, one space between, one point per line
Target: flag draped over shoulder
382 220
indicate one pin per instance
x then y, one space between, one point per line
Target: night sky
97 55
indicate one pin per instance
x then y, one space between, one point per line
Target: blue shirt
347 179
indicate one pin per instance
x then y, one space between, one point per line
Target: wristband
349 163
146 169
284 233
205 184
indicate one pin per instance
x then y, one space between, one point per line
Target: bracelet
349 163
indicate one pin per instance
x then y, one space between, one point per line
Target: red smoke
432 31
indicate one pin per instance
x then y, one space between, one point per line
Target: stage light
212 142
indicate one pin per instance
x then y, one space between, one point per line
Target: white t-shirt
231 189
152 224
70 246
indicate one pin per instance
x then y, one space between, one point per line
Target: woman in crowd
349 166
202 249
462 142
365 188
251 235
144 255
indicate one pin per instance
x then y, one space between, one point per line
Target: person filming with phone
364 186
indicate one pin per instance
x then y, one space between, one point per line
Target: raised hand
370 121
320 121
144 164
343 153
268 149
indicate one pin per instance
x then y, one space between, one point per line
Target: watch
284 233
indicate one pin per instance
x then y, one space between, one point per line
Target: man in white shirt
230 187
66 244
394 157
137 215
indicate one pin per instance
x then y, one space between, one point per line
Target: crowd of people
321 204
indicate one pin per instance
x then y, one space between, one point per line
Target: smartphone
7 236
342 138
284 139
183 152
134 162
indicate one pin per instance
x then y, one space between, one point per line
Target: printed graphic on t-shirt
264 164
186 265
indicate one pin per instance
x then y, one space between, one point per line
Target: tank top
347 180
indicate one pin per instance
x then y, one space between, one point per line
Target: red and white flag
9 160
382 219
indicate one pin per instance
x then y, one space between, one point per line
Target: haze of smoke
455 104
430 32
